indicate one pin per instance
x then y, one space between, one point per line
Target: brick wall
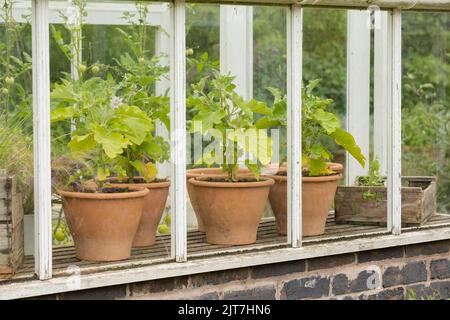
378 274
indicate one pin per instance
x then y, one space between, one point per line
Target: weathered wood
11 227
441 5
352 204
8 186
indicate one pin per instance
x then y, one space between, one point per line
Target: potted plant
231 206
138 74
103 218
320 177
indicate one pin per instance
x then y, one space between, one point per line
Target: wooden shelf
268 238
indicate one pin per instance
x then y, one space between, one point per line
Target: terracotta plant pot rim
337 176
263 182
338 167
136 193
148 185
200 172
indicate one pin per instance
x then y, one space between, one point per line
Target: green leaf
147 170
103 173
317 167
276 94
209 119
264 147
133 123
112 143
327 120
61 114
312 85
346 140
82 144
318 151
258 107
266 122
254 168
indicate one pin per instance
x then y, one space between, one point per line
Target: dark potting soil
223 180
139 180
113 190
77 187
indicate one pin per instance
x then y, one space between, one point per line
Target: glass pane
344 192
110 114
16 142
425 109
236 113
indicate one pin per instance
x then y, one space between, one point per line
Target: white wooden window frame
392 100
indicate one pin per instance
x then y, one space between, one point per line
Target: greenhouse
254 149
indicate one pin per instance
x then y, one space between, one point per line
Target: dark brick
366 280
421 292
388 294
442 288
330 262
410 273
414 272
208 296
380 254
258 293
340 284
440 269
213 278
160 285
103 293
392 276
278 269
312 287
426 249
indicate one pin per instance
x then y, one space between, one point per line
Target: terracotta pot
154 205
317 198
204 172
231 211
103 225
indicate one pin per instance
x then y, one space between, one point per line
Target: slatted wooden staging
63 257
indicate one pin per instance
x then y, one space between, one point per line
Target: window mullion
294 74
178 132
41 140
395 134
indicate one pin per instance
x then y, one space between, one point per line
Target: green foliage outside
16 123
426 104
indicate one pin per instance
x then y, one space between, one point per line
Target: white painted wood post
162 49
236 46
294 132
395 127
41 140
178 132
382 87
358 89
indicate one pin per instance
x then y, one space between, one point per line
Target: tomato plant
225 115
317 123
